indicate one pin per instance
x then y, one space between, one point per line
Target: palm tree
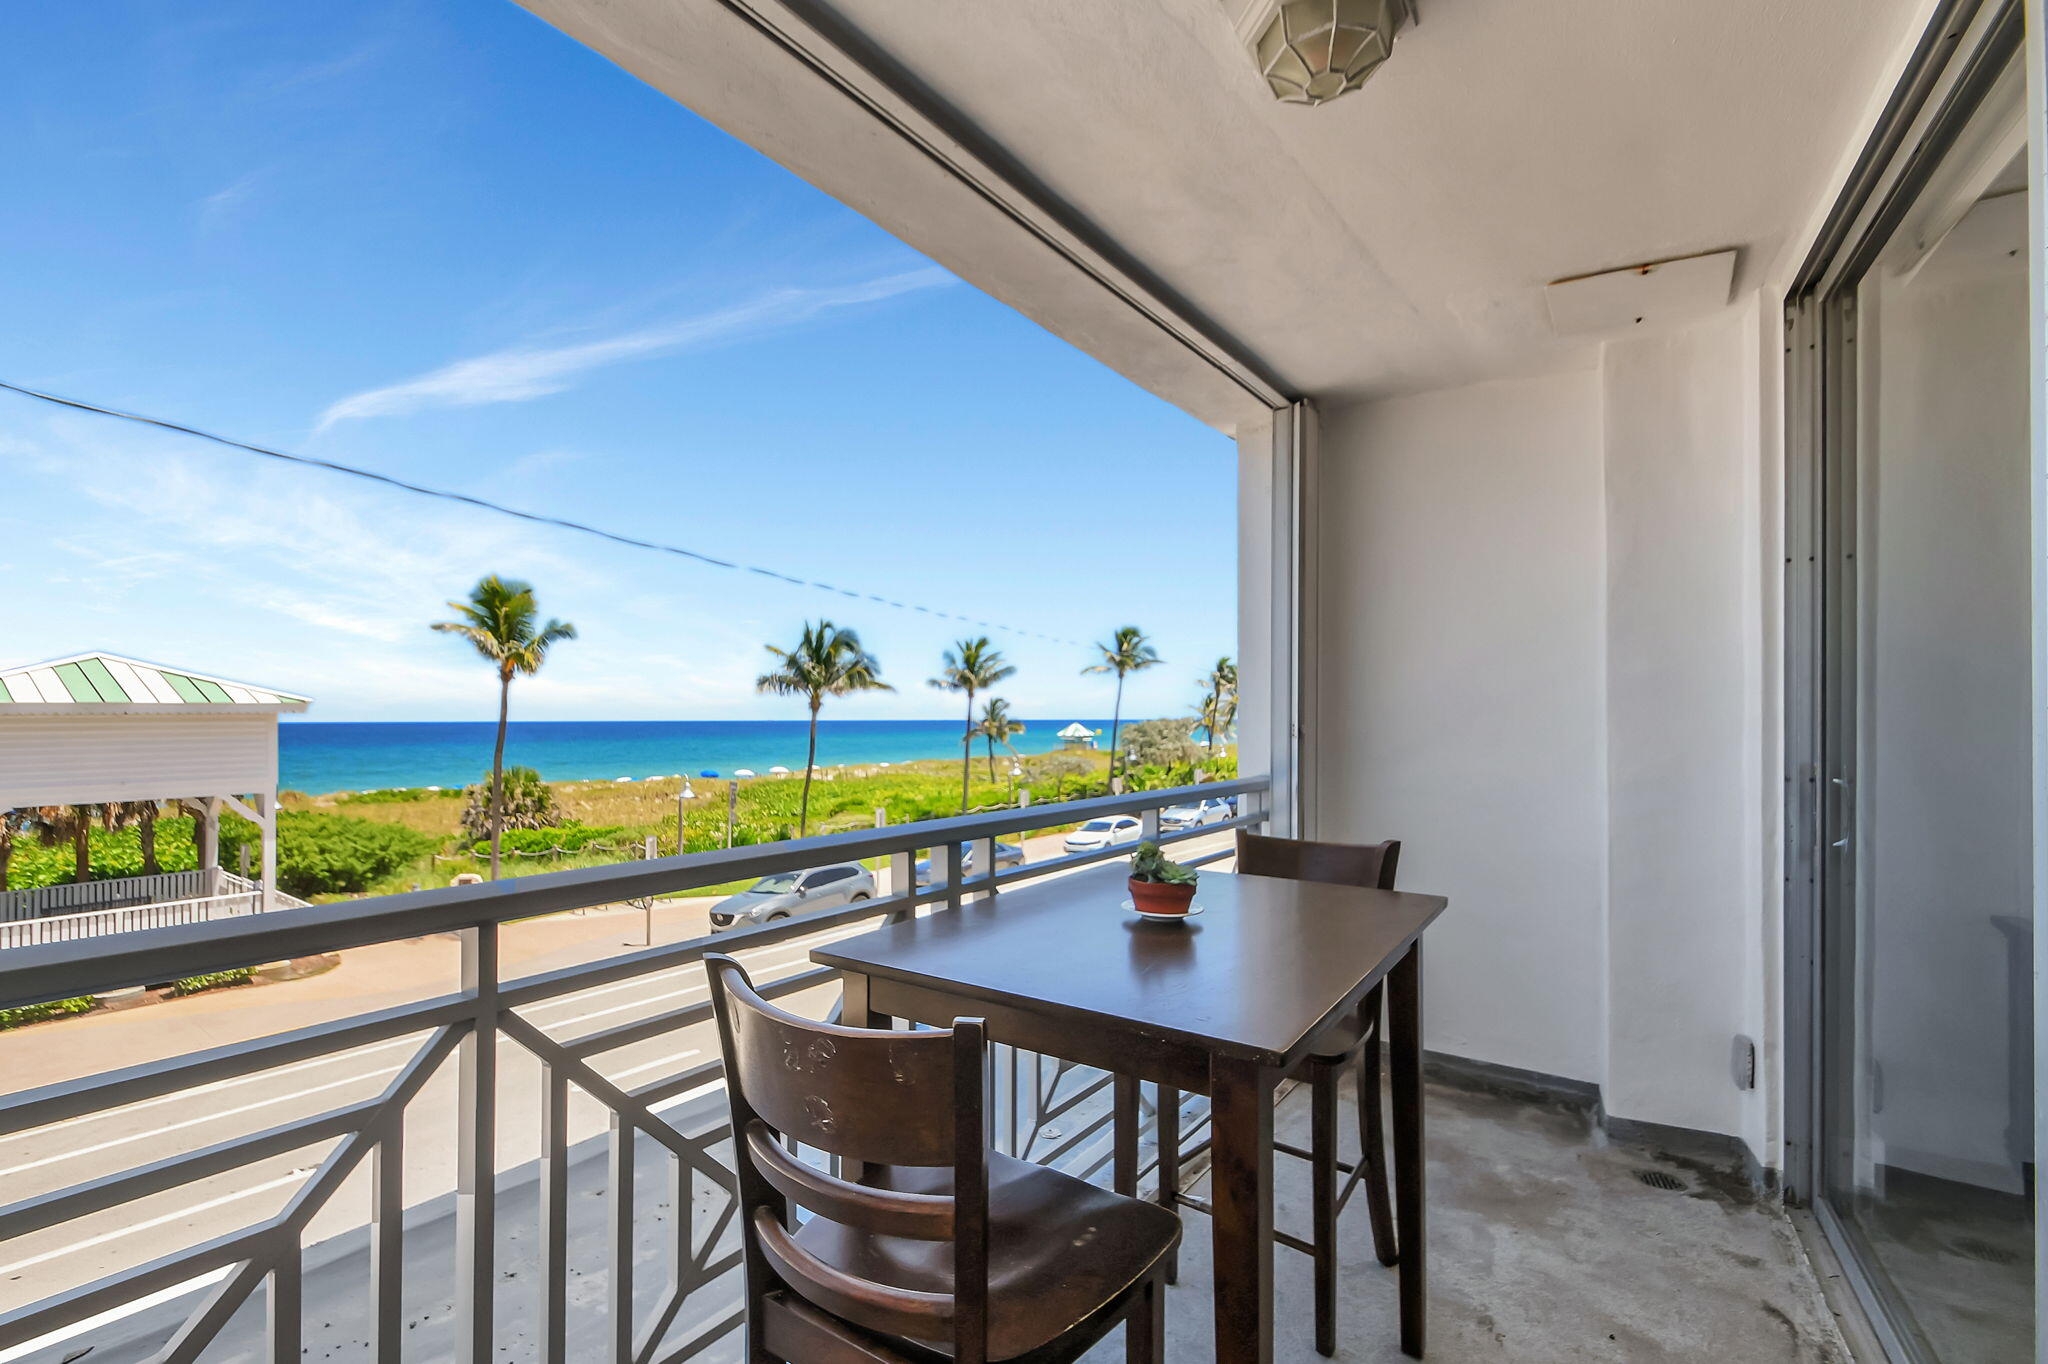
73 824
972 665
139 815
996 726
1127 652
827 661
1219 704
500 619
1209 715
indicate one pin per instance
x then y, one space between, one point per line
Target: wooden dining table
1225 1004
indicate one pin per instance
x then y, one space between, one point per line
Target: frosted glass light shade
1312 51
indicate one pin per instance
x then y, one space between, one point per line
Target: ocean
318 757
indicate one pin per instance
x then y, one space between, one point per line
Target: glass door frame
1964 50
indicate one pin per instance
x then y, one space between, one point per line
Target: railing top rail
142 909
92 965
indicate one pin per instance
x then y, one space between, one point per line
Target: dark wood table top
1254 975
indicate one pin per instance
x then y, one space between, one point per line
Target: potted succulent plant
1159 886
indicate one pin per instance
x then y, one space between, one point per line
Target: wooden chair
1353 1038
933 1248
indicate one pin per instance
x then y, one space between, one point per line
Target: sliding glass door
1922 1161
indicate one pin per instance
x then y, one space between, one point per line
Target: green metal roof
112 680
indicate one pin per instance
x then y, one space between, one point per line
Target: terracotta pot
1160 897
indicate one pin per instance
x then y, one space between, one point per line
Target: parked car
793 892
1194 814
1007 855
1101 833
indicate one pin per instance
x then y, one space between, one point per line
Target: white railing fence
558 1278
238 896
116 892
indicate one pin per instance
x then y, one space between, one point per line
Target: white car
1193 815
1101 833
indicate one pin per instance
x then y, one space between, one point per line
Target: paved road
63 1154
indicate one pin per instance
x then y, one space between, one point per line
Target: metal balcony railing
1041 1109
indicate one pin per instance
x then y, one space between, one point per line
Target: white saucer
1193 910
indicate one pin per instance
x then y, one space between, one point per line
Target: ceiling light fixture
1313 51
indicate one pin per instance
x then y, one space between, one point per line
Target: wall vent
1743 1063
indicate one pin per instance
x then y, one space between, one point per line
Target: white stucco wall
1541 629
1459 587
1685 910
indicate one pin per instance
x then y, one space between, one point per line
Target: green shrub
211 980
317 852
324 854
115 852
36 1013
568 837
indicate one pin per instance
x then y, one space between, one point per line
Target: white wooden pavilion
97 727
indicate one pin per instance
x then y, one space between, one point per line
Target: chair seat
1060 1249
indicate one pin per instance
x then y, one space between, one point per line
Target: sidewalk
380 976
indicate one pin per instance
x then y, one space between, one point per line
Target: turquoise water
317 758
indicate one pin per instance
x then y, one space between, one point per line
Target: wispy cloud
327 588
217 208
520 374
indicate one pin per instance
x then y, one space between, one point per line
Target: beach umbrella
707 772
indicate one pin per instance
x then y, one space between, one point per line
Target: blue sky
443 241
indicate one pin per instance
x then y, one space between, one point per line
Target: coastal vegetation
72 826
501 621
345 844
319 852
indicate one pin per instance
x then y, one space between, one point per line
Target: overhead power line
538 518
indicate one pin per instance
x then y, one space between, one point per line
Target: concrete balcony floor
1545 1244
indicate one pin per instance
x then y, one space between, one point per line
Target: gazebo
1077 735
98 728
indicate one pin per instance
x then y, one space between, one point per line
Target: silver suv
793 892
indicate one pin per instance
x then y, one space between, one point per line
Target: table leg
1126 1122
1241 1177
1404 1010
854 1011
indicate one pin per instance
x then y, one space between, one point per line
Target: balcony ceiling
1397 239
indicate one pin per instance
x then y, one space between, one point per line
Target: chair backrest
1296 859
874 1098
